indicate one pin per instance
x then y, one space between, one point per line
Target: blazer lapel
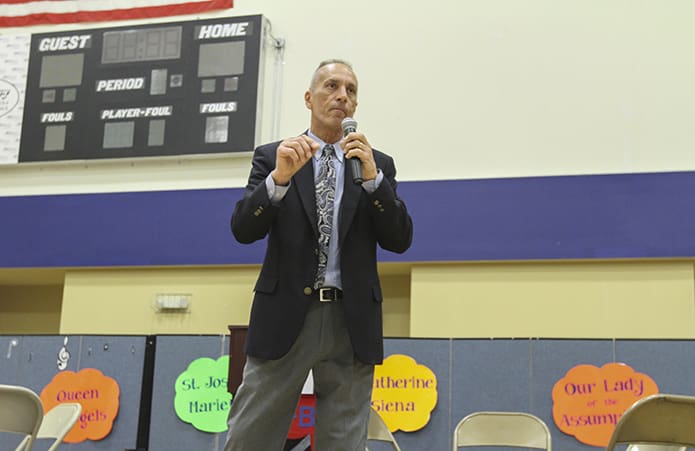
304 179
348 205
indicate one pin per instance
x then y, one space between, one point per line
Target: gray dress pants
265 402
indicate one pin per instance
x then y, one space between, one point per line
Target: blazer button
308 290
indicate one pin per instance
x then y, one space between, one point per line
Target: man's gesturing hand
292 154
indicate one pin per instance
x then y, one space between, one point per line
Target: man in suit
317 301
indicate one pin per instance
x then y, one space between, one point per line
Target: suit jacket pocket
266 284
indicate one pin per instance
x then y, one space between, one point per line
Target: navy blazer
284 289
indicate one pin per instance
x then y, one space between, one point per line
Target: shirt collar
338 150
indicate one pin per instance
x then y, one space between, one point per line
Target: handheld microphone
350 125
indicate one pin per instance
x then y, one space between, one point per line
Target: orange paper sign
589 401
98 394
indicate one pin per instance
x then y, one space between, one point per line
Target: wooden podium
237 339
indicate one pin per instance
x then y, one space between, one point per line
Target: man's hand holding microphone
358 152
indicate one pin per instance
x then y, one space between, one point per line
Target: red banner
19 13
303 423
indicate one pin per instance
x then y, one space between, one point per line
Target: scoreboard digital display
166 89
151 44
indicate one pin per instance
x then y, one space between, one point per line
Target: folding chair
56 424
21 412
378 430
515 429
657 420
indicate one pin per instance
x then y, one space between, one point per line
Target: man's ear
307 99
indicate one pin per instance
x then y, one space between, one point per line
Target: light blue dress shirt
277 192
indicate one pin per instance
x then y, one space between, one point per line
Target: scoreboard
151 90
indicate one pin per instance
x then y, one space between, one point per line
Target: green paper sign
202 398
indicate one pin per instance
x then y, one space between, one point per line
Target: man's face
332 96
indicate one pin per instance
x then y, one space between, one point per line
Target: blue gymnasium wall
565 217
472 375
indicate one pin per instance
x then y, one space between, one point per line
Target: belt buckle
328 292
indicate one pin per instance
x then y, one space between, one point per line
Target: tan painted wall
563 300
28 309
566 300
121 301
396 308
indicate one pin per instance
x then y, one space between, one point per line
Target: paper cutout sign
98 395
201 397
404 393
589 401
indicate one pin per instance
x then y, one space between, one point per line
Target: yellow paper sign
404 393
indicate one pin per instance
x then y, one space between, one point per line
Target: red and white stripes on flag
18 13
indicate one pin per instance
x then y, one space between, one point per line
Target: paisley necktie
325 199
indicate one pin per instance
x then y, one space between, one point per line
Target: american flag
18 13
